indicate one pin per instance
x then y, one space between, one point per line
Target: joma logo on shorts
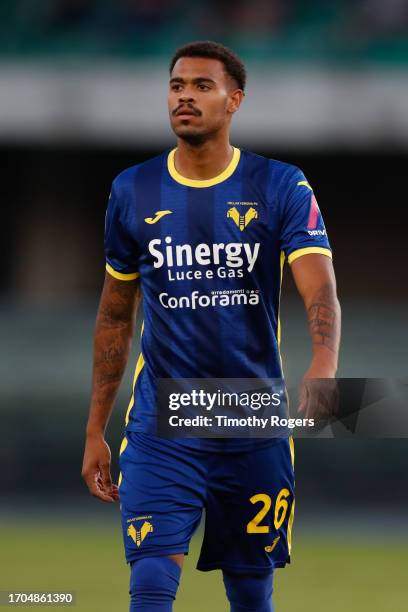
272 546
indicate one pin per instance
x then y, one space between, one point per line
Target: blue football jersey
209 255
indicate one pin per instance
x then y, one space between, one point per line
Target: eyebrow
196 80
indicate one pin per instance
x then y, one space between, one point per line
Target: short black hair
212 50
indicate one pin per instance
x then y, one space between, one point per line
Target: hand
96 469
318 395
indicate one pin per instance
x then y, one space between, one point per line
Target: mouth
186 112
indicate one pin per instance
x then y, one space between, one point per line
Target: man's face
202 98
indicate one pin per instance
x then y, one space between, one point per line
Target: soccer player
202 233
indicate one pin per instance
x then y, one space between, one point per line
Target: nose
186 96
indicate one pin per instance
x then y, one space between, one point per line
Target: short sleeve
120 249
302 227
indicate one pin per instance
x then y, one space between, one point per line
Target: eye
203 87
176 87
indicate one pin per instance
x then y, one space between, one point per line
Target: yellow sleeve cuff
307 250
120 275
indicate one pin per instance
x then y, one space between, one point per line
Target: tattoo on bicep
117 306
114 329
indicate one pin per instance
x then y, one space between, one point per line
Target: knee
153 582
249 593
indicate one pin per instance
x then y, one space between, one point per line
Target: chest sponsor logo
240 256
157 216
185 262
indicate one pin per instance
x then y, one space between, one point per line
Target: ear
235 98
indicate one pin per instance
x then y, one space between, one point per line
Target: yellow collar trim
225 174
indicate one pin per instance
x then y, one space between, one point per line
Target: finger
113 491
99 491
315 408
95 489
303 395
310 409
105 488
104 497
106 476
301 408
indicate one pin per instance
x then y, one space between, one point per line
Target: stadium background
83 86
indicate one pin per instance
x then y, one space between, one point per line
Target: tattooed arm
113 336
316 283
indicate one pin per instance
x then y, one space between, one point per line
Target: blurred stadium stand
340 31
77 70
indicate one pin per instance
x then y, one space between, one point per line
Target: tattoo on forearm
109 355
323 319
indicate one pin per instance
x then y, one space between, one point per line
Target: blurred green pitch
345 572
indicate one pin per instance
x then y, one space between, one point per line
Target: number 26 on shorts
281 511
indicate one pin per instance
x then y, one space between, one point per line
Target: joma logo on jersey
157 216
138 535
242 220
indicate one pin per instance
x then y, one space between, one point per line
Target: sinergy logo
235 254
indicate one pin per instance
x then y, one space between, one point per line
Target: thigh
161 491
249 511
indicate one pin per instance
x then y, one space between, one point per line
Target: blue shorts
248 498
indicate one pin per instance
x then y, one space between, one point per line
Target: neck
203 160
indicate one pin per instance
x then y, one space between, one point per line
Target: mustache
189 107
